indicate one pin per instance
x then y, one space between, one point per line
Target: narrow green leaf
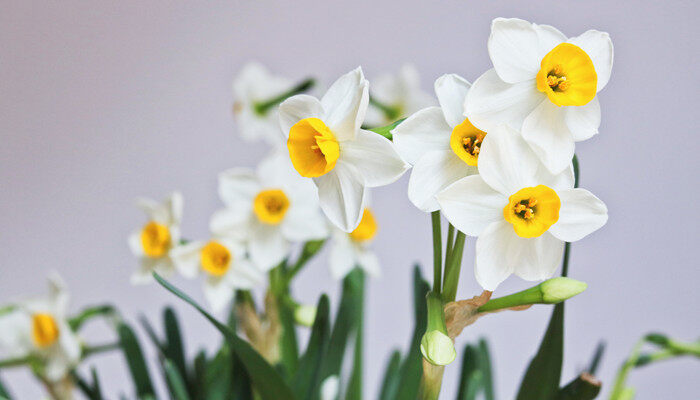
267 381
485 367
151 333
90 390
354 390
584 387
198 372
176 383
135 361
289 347
240 383
216 388
386 130
3 391
77 322
471 377
390 382
412 367
307 379
97 388
597 356
174 347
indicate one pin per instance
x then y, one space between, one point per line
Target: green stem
261 108
386 130
532 295
452 269
623 372
16 362
437 251
565 264
91 350
450 242
391 113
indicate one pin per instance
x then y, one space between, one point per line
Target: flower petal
267 246
471 205
374 157
420 133
583 121
244 275
238 185
345 104
304 222
549 38
218 293
599 48
342 256
341 194
368 261
514 49
581 213
537 258
174 204
451 90
435 171
491 101
135 243
187 258
506 162
297 108
561 181
234 222
547 134
493 264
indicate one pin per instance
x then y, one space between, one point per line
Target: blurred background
101 102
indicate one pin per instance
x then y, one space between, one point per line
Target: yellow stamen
44 330
312 147
532 210
367 228
155 239
465 142
215 258
270 206
567 76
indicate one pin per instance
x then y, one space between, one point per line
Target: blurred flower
153 242
224 264
521 212
325 143
38 328
350 250
395 96
439 142
544 84
268 208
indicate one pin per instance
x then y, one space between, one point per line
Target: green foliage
92 390
307 379
390 382
134 359
3 392
354 390
476 376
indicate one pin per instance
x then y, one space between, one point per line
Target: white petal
451 90
135 243
506 162
16 328
422 132
233 222
342 257
69 343
581 213
471 205
238 185
492 264
368 261
267 246
374 157
244 275
549 38
435 171
297 108
187 258
514 49
599 47
491 101
538 257
152 208
341 193
330 388
345 104
175 204
143 274
276 171
583 121
304 222
218 293
561 181
547 134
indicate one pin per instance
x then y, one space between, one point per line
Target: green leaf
485 367
390 382
91 390
354 390
174 348
216 388
471 377
267 381
135 361
307 378
597 356
386 130
412 367
240 383
584 387
198 373
176 383
542 377
289 347
77 322
3 391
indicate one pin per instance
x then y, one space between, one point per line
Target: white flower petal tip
451 91
581 214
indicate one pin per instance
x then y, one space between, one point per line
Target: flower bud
437 348
305 315
556 290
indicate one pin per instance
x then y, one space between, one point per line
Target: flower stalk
261 108
436 346
551 291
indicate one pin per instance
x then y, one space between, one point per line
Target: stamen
552 80
519 208
564 85
531 202
557 70
466 141
528 214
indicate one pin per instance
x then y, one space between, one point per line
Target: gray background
102 102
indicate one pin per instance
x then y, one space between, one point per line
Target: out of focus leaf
597 356
92 391
240 382
77 322
3 391
307 379
471 377
174 347
354 390
267 381
386 130
198 372
176 382
216 387
584 387
390 382
135 361
485 367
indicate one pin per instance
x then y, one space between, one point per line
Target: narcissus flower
253 86
224 264
350 250
521 213
544 84
325 143
153 242
439 142
269 209
395 96
39 328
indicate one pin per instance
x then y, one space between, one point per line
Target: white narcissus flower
39 328
401 92
543 85
439 142
350 250
269 208
153 242
326 143
224 264
252 86
521 213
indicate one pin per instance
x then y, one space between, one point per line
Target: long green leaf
307 378
176 382
289 346
216 388
240 382
354 390
412 368
390 382
77 322
597 356
485 366
267 381
135 361
584 387
471 377
3 391
174 347
198 373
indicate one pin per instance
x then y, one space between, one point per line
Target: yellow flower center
270 206
215 258
44 330
466 141
155 239
532 210
367 228
312 147
567 76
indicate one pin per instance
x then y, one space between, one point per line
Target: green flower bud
559 289
437 348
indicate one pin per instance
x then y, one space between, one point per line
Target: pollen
44 330
215 258
270 206
155 239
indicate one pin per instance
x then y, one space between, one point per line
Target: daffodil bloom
395 96
224 265
521 213
439 142
326 143
350 250
543 85
269 209
39 328
160 234
253 86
